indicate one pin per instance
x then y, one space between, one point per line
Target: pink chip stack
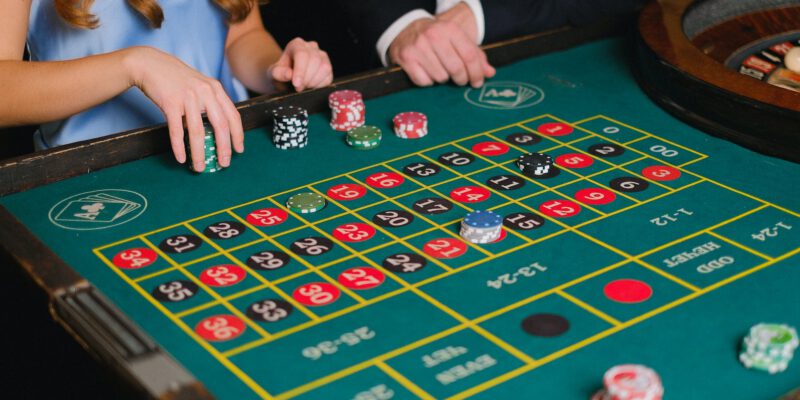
347 110
410 125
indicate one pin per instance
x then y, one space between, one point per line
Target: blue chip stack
481 227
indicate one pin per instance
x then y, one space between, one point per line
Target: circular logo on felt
505 95
98 209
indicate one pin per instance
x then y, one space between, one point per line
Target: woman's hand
304 64
183 93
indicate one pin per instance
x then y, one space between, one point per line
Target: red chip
220 328
361 278
595 196
316 294
470 194
341 97
136 258
354 232
267 217
628 291
346 191
222 275
555 129
560 208
384 180
445 248
574 160
490 149
661 173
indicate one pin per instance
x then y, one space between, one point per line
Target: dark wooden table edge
29 171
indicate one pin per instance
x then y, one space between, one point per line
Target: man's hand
442 49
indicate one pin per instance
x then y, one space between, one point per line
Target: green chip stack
306 203
769 347
210 152
364 137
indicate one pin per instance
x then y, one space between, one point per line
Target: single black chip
175 291
224 230
269 310
523 221
180 244
268 260
545 325
629 184
505 182
606 149
523 139
312 246
393 218
456 159
433 205
404 262
421 169
551 173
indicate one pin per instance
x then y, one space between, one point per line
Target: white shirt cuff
394 29
477 10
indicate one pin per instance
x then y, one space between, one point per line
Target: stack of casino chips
769 347
364 137
410 125
630 382
290 127
534 164
481 227
347 110
210 152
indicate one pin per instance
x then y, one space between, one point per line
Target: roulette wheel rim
691 85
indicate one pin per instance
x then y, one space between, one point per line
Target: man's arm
370 19
510 18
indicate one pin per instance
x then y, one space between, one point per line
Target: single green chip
306 203
364 133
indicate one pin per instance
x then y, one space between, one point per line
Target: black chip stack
290 127
534 164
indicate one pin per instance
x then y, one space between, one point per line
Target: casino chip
209 145
290 127
410 125
630 382
481 227
534 164
364 137
306 203
769 347
347 110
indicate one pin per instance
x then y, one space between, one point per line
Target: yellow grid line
603 160
429 339
567 350
246 379
739 245
403 381
580 176
453 234
580 303
249 270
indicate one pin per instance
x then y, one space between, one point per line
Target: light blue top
193 30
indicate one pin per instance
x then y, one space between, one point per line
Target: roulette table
649 242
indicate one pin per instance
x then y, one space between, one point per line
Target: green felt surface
452 328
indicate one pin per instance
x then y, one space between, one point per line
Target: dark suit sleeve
369 18
508 18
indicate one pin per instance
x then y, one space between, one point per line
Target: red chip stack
630 382
347 110
410 125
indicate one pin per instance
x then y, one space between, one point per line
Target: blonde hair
77 12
